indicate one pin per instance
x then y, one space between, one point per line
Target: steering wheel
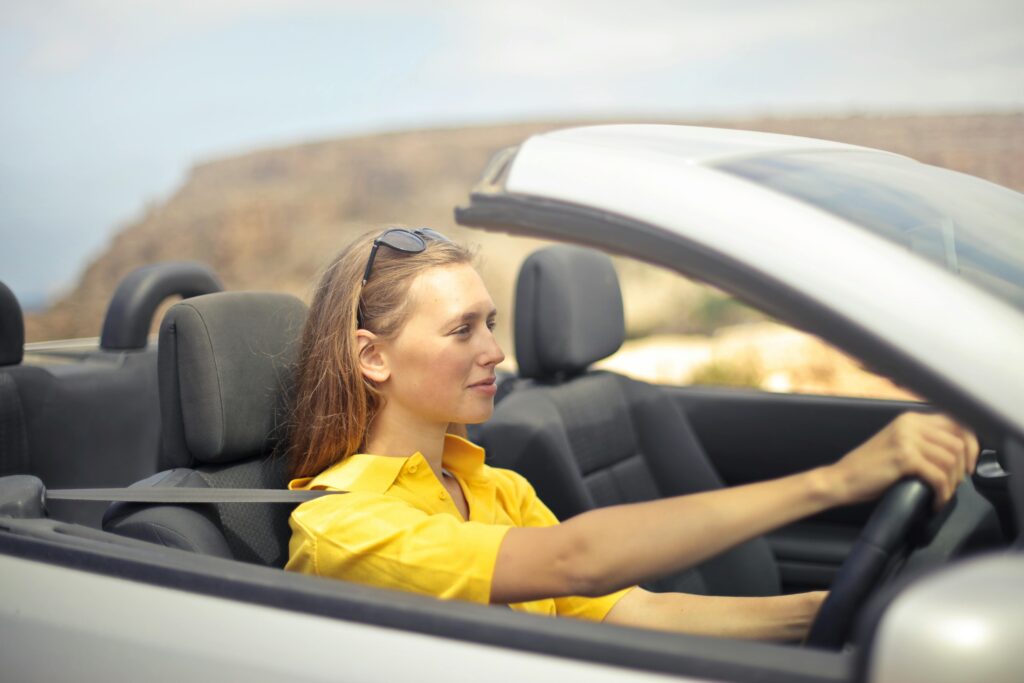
886 535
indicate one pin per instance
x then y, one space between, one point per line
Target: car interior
203 408
87 414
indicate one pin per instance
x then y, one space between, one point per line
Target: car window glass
682 332
965 225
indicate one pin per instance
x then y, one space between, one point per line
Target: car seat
587 438
88 416
225 364
14 456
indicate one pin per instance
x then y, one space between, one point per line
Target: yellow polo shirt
398 527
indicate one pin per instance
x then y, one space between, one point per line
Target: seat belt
185 494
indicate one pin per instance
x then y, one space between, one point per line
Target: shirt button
443 495
413 468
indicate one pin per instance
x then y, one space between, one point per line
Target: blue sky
104 105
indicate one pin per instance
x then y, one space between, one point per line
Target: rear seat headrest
225 364
568 311
12 328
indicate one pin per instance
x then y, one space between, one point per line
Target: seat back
14 457
225 364
588 439
12 328
75 418
80 416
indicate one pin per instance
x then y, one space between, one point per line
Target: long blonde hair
333 403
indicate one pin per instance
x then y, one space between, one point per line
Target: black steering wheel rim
886 535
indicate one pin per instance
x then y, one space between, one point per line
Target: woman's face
441 363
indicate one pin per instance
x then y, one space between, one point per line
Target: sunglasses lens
403 240
432 234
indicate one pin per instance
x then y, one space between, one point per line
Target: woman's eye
491 324
461 331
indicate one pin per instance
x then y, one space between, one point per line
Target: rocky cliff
270 219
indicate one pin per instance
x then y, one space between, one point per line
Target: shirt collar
462 457
376 473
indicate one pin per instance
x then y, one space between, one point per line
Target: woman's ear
372 362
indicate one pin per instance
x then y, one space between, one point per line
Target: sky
106 104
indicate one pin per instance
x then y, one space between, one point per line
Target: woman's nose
493 354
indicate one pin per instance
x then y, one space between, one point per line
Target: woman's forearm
780 618
609 548
659 537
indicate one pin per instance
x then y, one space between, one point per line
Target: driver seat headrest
12 328
568 311
225 366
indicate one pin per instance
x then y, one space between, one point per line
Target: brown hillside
270 219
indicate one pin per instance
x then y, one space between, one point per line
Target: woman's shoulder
342 509
357 472
510 480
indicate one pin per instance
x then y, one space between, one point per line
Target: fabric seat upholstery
588 439
14 455
225 364
88 423
12 328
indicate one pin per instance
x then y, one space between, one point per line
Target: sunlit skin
439 369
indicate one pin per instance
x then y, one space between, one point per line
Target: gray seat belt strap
184 494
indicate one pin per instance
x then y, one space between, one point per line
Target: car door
755 435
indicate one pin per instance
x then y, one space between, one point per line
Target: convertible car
916 271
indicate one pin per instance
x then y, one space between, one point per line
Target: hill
270 219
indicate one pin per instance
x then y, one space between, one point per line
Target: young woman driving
399 346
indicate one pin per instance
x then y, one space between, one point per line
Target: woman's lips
487 386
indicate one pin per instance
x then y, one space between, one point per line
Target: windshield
968 226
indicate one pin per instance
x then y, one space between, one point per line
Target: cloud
852 52
536 39
65 35
592 53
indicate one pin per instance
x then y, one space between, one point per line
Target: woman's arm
603 550
779 617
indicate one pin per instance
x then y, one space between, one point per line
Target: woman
399 348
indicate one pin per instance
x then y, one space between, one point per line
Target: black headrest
12 328
130 313
225 364
568 311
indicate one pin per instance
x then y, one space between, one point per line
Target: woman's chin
475 417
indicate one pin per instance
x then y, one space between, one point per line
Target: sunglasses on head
405 241
399 239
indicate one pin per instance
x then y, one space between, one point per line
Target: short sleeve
382 541
594 609
532 512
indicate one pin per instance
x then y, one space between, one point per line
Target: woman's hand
931 447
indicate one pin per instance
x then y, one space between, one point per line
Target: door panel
751 436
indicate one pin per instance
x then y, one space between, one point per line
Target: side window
682 332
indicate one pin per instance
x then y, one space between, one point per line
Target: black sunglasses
405 241
399 239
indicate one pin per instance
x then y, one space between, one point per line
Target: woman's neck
402 435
